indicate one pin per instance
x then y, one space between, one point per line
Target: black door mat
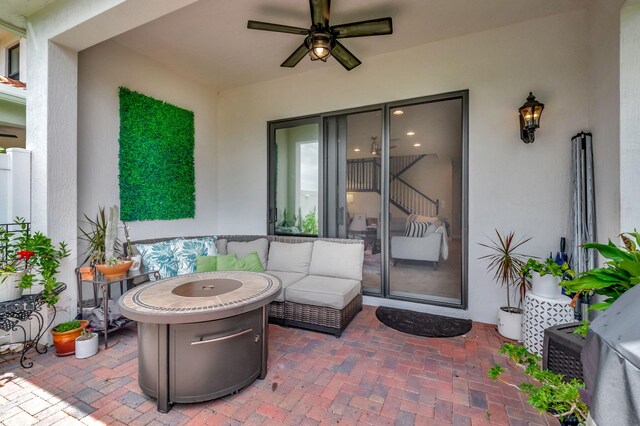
422 324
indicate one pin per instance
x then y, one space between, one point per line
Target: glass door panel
295 175
362 186
425 201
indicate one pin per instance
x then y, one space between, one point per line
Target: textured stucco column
51 130
629 123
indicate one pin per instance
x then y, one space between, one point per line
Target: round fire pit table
200 336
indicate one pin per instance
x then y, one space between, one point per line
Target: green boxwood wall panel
157 175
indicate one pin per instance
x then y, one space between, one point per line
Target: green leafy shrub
310 223
549 267
550 392
67 326
156 163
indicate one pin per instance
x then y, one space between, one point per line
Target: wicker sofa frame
290 314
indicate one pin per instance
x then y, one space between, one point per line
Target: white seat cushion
323 291
337 260
290 257
260 246
286 279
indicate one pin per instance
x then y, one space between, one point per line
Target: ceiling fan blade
320 12
346 58
7 135
266 26
372 27
296 56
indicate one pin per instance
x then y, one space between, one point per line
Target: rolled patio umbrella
611 361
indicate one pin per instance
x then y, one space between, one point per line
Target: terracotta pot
115 270
65 342
86 273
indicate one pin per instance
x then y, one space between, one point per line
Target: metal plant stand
13 312
130 279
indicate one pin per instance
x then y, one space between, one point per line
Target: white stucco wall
98 132
512 185
629 126
604 112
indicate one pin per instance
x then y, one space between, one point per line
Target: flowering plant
33 256
86 334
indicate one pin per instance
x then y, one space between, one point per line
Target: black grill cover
611 360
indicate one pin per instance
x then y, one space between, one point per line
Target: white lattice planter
541 313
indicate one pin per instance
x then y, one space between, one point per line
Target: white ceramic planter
510 324
546 286
9 289
137 262
87 348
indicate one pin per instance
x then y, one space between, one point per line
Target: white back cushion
260 246
290 257
337 260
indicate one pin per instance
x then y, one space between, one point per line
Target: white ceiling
209 41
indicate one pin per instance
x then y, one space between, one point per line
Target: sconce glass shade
530 114
320 46
350 197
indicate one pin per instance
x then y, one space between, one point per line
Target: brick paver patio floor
371 375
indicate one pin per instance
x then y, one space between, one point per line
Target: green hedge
157 176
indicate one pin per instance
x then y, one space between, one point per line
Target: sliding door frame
272 128
463 95
385 108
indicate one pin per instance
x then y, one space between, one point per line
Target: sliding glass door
391 175
425 200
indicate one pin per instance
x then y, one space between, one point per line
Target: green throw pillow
230 262
206 263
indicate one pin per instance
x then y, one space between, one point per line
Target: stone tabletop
159 302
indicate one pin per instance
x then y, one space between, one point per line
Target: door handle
220 339
341 216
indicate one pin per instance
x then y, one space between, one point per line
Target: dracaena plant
620 273
95 235
506 263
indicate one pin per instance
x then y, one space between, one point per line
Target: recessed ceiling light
398 112
356 149
411 133
417 144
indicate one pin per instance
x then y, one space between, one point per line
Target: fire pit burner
207 288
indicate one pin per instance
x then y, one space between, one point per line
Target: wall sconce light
530 114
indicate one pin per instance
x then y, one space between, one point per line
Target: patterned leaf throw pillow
159 257
416 229
188 249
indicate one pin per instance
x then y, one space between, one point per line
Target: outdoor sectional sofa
321 277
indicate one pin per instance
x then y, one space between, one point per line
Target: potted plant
545 277
64 336
102 239
29 259
620 273
506 263
550 392
86 343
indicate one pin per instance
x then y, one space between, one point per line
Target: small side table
24 309
99 281
541 313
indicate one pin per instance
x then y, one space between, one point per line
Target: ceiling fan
321 39
375 148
